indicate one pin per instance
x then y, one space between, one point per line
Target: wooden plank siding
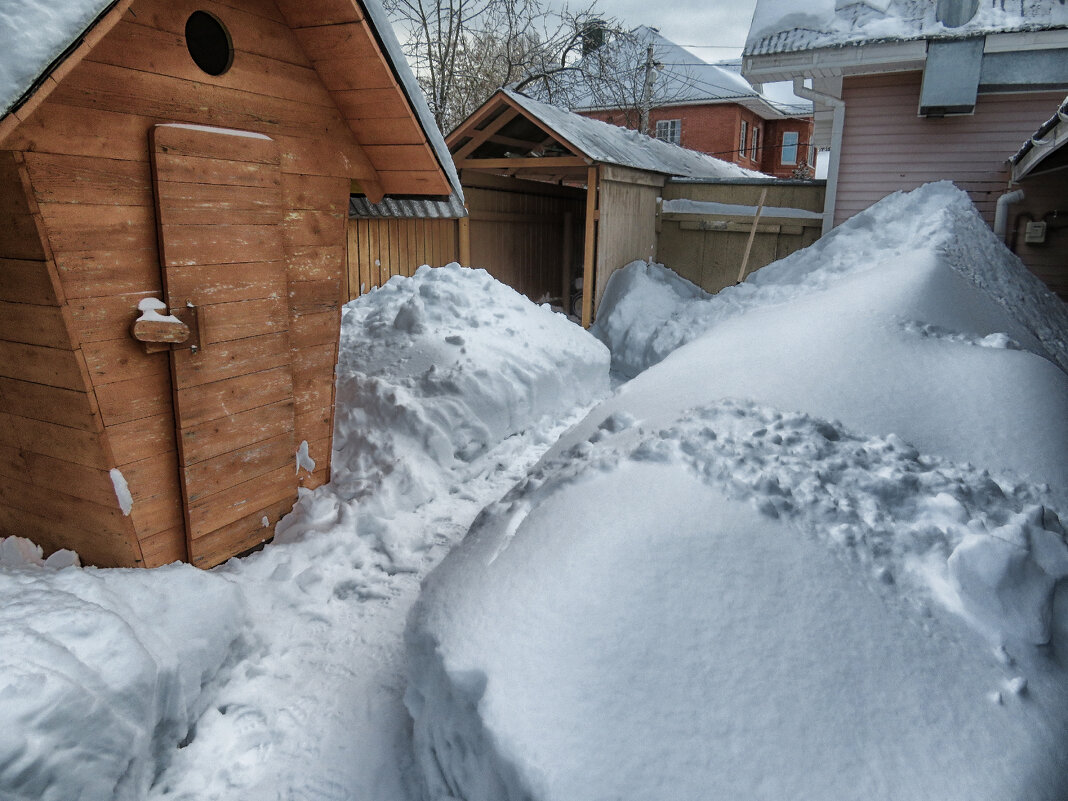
86 156
708 249
517 231
626 223
54 459
887 147
379 248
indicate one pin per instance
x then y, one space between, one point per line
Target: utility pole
646 102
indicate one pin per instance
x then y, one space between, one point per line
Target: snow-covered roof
782 26
611 144
1050 137
35 34
682 78
38 34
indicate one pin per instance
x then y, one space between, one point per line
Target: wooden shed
622 173
176 178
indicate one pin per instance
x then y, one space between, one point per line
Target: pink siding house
911 91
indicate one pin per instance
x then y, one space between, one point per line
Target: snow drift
102 674
434 370
818 552
937 220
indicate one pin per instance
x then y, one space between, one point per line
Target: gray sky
689 22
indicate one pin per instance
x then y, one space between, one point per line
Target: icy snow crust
816 553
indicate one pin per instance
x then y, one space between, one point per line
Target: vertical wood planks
234 273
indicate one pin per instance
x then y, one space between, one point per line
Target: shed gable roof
347 41
512 127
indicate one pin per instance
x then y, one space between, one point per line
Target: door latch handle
160 328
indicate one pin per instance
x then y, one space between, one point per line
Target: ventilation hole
209 43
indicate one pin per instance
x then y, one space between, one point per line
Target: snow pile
435 370
101 674
816 553
687 641
636 303
934 221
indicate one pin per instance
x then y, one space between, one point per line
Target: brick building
712 109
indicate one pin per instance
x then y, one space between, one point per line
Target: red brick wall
716 129
772 157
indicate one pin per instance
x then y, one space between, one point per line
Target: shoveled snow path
319 713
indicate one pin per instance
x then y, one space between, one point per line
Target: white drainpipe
837 127
1001 212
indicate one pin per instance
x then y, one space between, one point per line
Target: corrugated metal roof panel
408 208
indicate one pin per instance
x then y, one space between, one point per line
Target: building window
754 150
669 131
789 147
745 133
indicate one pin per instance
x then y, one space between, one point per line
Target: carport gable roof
343 39
512 133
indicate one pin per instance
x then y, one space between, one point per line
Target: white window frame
754 150
790 146
669 131
745 135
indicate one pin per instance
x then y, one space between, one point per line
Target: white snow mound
815 553
99 678
935 221
434 371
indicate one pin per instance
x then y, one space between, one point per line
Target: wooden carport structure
623 172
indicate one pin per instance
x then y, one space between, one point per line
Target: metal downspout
837 128
1001 212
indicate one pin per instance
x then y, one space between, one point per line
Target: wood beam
498 139
590 250
479 137
547 163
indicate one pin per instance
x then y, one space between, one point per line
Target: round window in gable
209 43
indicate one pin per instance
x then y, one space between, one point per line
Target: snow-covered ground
280 675
816 552
813 549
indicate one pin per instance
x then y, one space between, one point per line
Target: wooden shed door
219 213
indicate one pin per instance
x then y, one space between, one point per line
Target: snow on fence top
626 148
781 26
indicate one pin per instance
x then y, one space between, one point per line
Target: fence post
752 233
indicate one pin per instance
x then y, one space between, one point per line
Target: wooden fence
710 248
379 248
526 234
